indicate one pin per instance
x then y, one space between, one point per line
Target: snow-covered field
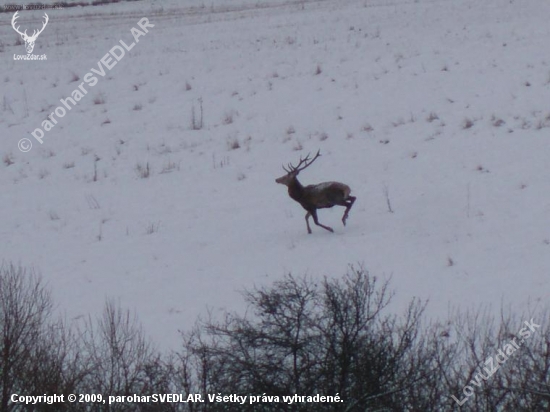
158 189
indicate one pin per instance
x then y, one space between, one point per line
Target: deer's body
320 196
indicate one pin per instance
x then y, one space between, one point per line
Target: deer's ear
23 36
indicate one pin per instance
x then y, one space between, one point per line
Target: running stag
319 196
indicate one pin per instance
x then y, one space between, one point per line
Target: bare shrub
99 99
143 171
8 160
467 123
43 173
118 353
431 117
496 121
25 307
311 337
367 128
233 144
302 335
74 77
197 119
228 118
152 227
170 167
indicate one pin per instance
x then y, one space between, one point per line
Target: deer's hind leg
348 203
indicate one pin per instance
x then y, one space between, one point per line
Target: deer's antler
36 33
304 163
15 17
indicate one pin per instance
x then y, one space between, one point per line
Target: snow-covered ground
440 108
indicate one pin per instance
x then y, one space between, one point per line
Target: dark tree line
301 335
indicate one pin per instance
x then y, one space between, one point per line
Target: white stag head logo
29 40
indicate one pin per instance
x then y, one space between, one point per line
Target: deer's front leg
314 214
307 222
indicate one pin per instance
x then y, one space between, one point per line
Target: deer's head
29 40
293 171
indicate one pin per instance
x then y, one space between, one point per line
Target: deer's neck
295 190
